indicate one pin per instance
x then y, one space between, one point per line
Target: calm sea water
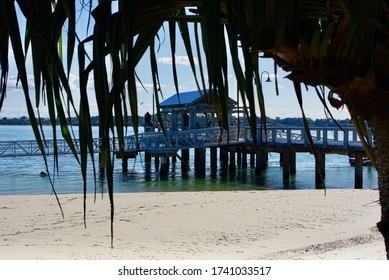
21 175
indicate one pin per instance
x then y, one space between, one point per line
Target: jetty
190 123
235 147
229 148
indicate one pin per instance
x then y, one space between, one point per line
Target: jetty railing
31 148
323 137
185 139
331 138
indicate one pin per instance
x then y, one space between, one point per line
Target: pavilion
193 110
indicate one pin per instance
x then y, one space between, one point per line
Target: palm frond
320 43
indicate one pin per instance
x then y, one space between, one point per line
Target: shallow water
21 175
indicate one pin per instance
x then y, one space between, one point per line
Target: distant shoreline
296 122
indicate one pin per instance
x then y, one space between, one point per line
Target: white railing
345 139
31 148
185 139
334 138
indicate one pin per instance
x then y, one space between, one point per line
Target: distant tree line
44 121
298 122
276 122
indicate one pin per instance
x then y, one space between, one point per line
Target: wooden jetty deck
234 145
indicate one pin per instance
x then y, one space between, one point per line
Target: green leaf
359 125
315 46
172 35
297 88
13 27
187 42
325 41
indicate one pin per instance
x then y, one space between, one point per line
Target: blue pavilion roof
186 98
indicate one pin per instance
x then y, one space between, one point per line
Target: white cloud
13 112
180 60
74 82
14 84
142 86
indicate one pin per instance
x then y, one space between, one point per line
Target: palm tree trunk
379 126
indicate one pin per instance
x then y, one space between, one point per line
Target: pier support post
164 170
200 161
124 164
232 160
148 171
258 169
147 157
213 155
223 153
156 162
124 157
358 182
184 160
244 157
260 161
320 168
239 157
285 163
224 159
252 159
292 163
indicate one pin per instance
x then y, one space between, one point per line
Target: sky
285 105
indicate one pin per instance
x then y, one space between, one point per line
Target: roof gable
190 98
186 98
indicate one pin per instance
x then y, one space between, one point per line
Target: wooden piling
320 169
125 164
156 162
287 162
260 161
184 160
252 159
147 157
285 156
358 181
124 157
200 161
239 157
223 153
224 158
164 169
281 159
244 157
232 160
292 163
213 155
258 169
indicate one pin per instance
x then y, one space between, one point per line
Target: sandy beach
297 224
